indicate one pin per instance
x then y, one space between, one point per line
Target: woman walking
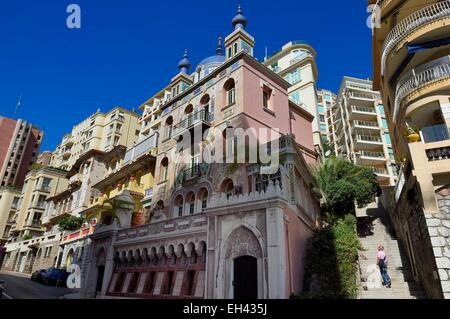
382 263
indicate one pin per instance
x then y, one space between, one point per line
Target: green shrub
70 223
331 261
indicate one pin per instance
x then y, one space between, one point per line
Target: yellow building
40 184
411 57
100 131
134 174
9 200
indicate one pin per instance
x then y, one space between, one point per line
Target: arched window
189 109
168 127
190 203
230 92
164 169
202 199
178 206
228 188
204 103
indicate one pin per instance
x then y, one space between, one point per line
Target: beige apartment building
358 129
326 100
296 63
411 57
100 131
9 200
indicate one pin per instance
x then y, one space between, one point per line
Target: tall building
100 131
19 147
411 58
296 63
90 150
326 100
212 229
360 128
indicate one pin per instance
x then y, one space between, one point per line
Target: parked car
1 288
55 277
37 275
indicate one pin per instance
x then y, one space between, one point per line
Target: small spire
239 21
219 50
184 65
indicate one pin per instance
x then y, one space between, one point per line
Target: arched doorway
101 260
245 282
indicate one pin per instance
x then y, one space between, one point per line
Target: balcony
371 158
366 124
381 172
362 96
141 149
414 81
362 113
367 142
301 57
200 117
193 173
414 21
40 205
34 224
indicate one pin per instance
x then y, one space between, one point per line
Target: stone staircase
374 229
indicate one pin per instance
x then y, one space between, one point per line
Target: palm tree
340 183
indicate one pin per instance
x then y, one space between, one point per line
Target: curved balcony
432 72
414 21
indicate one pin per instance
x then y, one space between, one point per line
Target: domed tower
184 65
239 40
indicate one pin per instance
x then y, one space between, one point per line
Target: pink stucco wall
297 234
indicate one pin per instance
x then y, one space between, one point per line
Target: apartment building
100 131
19 147
212 229
296 63
326 100
26 230
9 200
359 129
44 158
411 58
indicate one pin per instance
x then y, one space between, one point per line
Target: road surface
19 286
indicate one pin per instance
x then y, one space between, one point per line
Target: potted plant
411 133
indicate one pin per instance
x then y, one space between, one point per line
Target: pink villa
215 230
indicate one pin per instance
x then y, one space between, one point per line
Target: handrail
415 81
410 23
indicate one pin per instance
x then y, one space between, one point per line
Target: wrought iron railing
190 120
419 18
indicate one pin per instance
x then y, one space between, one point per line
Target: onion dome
184 65
239 21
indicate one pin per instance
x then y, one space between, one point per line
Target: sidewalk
13 273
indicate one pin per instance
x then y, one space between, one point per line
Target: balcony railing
439 70
191 120
40 205
302 56
381 171
363 109
366 123
359 95
197 170
419 18
140 149
367 138
372 154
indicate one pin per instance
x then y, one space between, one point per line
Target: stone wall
439 229
411 226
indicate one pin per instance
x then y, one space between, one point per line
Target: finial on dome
239 21
219 50
184 64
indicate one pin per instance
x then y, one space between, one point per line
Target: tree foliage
71 223
331 261
341 184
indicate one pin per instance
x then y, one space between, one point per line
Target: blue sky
128 50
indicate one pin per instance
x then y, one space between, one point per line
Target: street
19 286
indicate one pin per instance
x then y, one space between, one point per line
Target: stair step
382 233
